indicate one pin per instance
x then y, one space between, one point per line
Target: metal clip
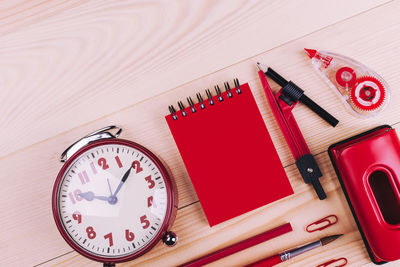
209 96
343 260
182 108
201 101
322 223
191 104
237 85
219 94
228 89
103 133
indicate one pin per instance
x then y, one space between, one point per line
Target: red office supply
368 168
363 91
282 109
252 241
322 224
287 255
228 153
268 262
342 261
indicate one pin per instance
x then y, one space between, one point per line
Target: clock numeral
150 201
103 163
150 181
93 168
76 196
83 177
110 239
129 235
118 161
77 216
136 165
90 232
145 222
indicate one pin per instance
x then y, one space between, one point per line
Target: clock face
113 201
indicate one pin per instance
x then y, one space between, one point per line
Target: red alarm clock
113 200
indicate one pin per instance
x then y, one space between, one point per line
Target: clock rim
169 214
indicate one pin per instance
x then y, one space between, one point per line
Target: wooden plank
196 238
28 175
33 173
66 63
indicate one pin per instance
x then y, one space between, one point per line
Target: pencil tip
260 66
328 239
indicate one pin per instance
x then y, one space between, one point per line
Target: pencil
287 255
252 241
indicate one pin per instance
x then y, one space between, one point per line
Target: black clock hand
124 178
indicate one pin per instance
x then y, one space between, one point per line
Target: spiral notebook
228 152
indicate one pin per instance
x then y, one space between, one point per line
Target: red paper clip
343 260
323 223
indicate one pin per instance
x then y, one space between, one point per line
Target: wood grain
196 238
86 59
68 68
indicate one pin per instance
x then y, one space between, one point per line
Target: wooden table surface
68 68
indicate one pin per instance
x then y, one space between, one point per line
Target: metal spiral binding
191 104
200 100
228 89
173 112
209 96
219 94
182 108
237 86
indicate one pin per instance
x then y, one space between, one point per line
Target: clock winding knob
170 239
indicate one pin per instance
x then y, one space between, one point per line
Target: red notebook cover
229 155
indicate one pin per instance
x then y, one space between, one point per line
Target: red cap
311 52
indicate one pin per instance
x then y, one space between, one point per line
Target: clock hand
109 187
124 178
89 196
101 198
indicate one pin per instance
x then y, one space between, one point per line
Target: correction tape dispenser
363 91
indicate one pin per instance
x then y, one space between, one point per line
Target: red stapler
368 167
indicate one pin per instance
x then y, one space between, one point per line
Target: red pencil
284 256
252 241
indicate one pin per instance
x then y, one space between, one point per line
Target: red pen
287 255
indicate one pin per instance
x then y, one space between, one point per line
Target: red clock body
113 200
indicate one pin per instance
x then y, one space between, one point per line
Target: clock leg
108 264
170 239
